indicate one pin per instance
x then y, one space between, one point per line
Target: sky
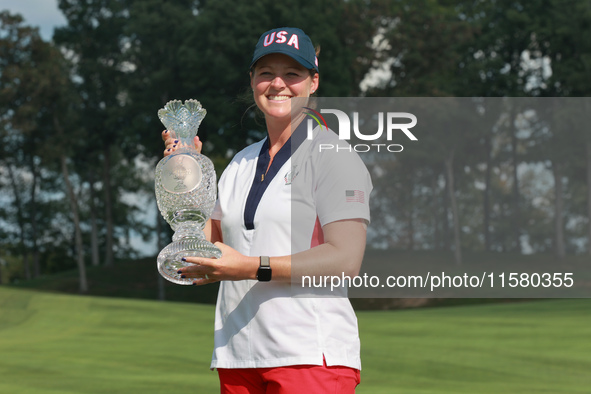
41 13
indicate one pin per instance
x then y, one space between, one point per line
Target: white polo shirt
260 324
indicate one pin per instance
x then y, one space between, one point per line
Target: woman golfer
285 210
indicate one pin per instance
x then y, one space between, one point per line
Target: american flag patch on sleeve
354 196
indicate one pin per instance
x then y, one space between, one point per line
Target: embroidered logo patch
290 175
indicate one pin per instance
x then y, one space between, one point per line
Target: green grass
51 343
528 347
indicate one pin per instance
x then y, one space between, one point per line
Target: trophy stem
186 243
185 143
189 229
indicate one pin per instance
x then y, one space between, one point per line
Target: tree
34 91
424 40
94 38
495 68
16 49
563 37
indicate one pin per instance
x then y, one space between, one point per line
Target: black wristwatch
264 272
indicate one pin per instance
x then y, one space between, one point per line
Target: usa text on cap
289 41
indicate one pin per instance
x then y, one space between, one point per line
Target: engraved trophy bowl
185 185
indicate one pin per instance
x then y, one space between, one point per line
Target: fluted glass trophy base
170 258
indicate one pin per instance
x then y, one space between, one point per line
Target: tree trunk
454 208
436 231
21 221
34 234
83 283
410 226
558 211
445 222
128 237
108 206
93 225
486 207
516 219
78 232
589 196
160 243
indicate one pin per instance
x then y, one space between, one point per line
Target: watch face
264 274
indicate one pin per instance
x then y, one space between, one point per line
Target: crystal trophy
185 191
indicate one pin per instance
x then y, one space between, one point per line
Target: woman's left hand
233 265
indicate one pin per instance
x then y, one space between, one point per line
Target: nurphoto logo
392 127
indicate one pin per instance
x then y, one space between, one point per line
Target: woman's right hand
170 144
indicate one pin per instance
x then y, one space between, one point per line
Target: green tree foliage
564 39
94 39
423 42
33 90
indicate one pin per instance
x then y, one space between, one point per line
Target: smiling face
275 80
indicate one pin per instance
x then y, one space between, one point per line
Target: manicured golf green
72 344
53 343
528 347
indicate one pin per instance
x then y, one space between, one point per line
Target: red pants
295 379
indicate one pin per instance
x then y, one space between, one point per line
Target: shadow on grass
125 279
